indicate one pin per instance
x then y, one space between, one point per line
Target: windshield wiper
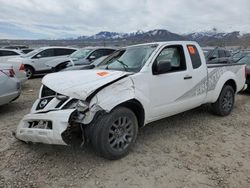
125 66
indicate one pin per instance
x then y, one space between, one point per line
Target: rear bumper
59 121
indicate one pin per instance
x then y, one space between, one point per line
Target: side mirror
91 58
38 56
162 67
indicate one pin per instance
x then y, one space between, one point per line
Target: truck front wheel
225 103
114 134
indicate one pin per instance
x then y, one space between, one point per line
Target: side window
8 53
222 53
107 52
195 56
45 53
63 51
98 53
1 53
215 54
228 53
175 56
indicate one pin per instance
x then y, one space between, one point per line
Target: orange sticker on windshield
102 73
191 50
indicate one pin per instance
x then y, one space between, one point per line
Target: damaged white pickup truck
144 83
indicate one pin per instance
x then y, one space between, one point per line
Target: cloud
60 18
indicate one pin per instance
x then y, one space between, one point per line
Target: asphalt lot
192 149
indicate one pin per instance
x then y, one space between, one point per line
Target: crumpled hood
80 84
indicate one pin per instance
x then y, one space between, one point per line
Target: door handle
188 77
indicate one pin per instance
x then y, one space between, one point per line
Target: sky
51 19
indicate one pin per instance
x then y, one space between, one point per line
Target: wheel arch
137 108
232 83
28 65
225 79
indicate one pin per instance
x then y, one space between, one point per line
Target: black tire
225 103
29 71
113 134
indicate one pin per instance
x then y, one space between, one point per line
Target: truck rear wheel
225 103
115 133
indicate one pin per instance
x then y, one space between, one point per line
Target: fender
123 90
218 88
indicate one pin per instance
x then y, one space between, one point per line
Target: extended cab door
176 90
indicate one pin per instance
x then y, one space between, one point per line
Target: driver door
167 89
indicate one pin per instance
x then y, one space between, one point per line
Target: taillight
22 68
9 72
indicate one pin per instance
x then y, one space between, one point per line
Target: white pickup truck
145 83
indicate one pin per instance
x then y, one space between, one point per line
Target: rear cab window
195 56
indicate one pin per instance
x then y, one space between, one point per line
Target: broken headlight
82 106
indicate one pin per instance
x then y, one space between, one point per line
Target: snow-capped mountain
153 35
105 35
204 38
210 36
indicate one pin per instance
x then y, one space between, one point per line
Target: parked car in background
246 60
5 54
17 47
94 64
102 61
217 55
84 56
10 88
107 105
239 55
35 61
17 66
25 51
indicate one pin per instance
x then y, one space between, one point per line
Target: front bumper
59 122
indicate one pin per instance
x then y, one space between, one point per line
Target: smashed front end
54 119
67 108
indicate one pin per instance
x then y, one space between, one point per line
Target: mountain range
203 38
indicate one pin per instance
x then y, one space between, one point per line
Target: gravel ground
192 149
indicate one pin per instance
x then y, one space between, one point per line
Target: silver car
10 88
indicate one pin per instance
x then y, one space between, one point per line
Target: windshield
81 53
132 59
32 53
99 60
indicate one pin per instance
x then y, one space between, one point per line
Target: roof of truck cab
166 43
